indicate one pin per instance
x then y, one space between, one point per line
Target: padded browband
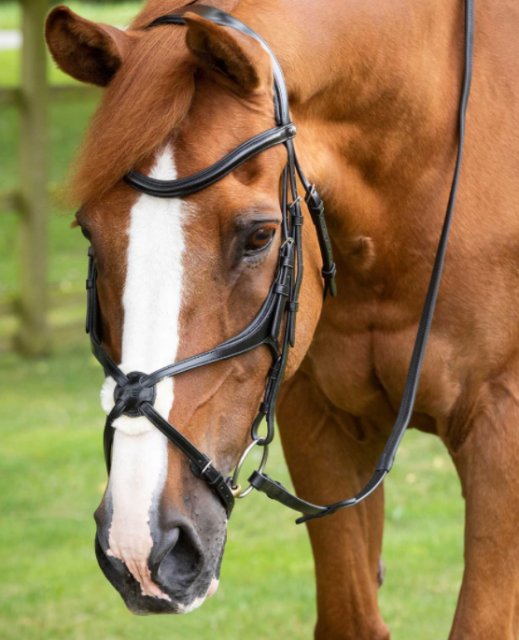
208 176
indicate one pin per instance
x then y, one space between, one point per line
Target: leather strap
200 463
214 173
316 208
276 491
285 132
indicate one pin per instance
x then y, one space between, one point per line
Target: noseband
274 325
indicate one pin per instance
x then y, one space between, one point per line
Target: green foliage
120 12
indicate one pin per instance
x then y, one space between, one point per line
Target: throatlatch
274 325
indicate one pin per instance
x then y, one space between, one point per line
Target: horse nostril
181 560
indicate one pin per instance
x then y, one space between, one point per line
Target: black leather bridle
274 325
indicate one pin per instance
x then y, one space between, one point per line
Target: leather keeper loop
282 289
211 475
329 272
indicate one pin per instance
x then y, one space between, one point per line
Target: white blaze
152 299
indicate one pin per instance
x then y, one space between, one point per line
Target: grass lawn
51 479
52 476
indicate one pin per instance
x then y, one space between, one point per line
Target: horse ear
85 50
228 55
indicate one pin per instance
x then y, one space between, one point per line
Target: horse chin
165 602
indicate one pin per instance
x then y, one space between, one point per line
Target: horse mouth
131 591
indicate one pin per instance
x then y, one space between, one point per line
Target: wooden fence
31 198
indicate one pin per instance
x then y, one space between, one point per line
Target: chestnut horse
374 89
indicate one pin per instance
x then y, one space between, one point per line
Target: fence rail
29 312
66 316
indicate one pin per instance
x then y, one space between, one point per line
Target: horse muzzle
180 572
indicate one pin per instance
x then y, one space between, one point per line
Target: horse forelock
148 98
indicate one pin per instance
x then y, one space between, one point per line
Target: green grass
66 121
66 247
66 125
9 15
51 478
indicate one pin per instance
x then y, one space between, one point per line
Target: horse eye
260 239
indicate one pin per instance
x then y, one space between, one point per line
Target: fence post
33 335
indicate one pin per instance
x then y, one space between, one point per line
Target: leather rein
274 325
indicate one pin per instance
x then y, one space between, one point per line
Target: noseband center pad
134 393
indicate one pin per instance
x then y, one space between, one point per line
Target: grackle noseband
274 325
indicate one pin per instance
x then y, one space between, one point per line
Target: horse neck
373 85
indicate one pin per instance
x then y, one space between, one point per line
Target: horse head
176 277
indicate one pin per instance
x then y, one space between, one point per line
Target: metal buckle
289 241
294 203
209 464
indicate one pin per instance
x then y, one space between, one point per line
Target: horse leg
330 456
487 462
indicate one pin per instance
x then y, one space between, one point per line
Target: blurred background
51 466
